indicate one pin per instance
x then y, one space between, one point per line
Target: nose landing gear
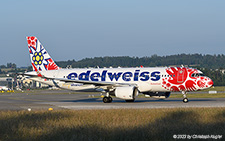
185 100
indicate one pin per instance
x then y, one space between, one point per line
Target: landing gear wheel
185 100
110 99
107 99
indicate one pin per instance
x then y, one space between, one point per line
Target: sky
78 29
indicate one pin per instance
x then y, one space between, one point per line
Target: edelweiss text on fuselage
137 75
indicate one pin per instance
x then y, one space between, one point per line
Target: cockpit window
197 74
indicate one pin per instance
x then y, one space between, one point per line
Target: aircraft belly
151 86
144 86
76 86
38 79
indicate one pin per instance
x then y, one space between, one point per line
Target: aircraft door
180 76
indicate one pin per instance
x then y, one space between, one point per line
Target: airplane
123 83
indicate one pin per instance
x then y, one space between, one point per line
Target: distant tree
2 66
11 65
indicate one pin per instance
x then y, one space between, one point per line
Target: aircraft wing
96 83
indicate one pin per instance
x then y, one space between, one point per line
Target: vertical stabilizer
40 59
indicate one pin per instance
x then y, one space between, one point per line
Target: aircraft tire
107 99
110 99
185 100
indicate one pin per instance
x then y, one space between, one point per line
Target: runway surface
44 99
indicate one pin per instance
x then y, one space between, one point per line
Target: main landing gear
185 100
107 99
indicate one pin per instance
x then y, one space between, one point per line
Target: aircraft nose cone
210 83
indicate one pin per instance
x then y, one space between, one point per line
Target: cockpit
197 75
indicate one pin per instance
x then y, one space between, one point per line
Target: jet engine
158 95
128 93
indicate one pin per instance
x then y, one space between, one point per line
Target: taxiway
44 99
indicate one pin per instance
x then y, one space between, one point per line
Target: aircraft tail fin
40 59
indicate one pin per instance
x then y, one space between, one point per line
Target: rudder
40 59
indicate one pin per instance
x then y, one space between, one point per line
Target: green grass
217 88
113 124
204 95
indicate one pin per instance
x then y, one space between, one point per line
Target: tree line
195 60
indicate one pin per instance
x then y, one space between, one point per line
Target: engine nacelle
158 95
127 93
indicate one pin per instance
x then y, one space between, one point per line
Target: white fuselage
152 79
146 79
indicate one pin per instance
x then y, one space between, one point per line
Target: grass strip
114 124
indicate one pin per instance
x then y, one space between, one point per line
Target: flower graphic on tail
40 59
